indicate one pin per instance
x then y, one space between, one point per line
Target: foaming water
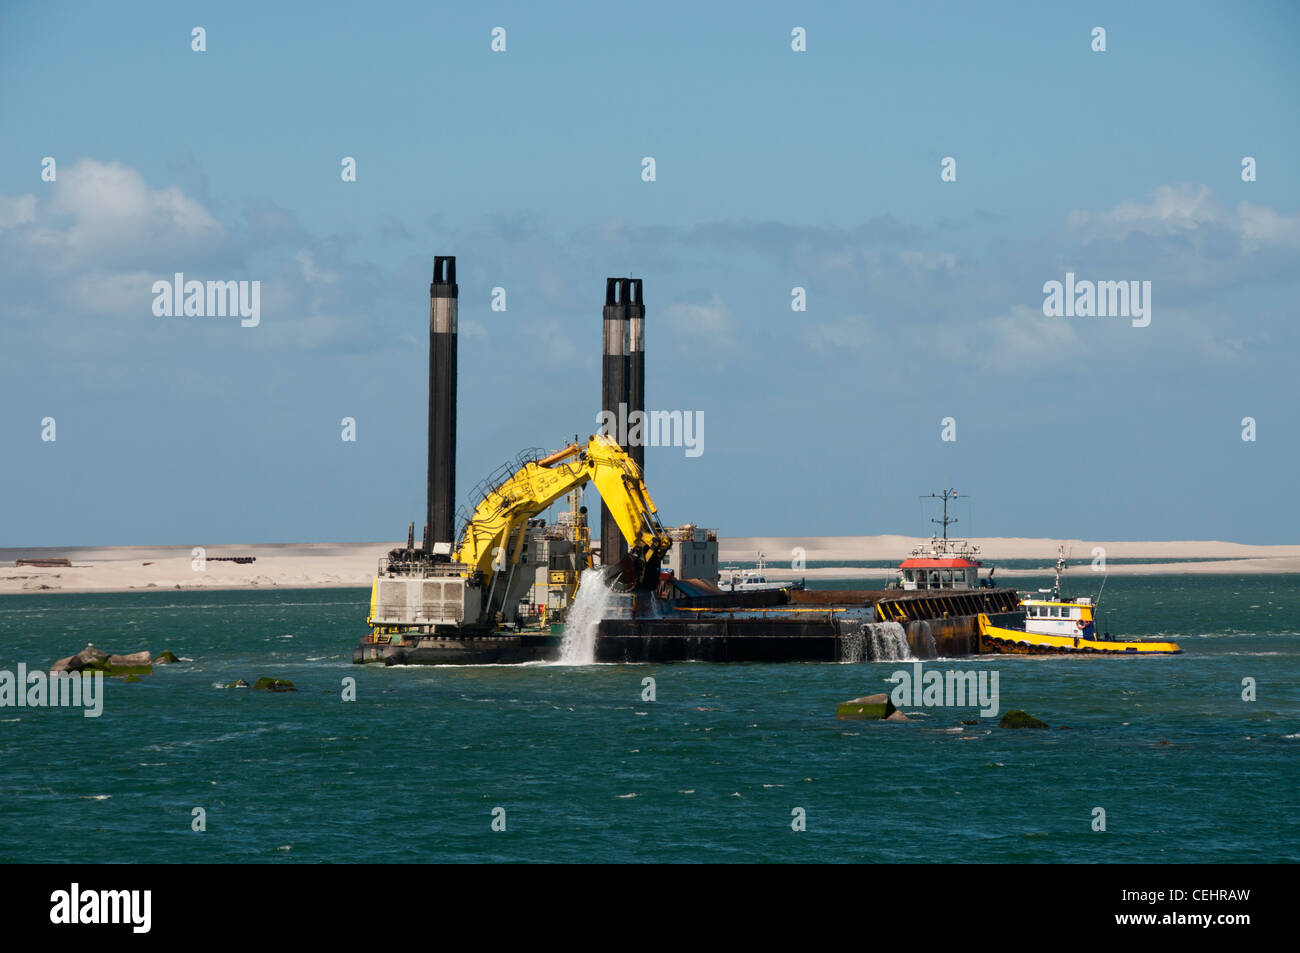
888 642
594 602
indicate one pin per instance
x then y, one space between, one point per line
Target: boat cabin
942 564
1059 617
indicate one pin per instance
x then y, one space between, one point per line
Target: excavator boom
494 536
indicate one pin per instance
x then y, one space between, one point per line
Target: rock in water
274 685
1016 718
167 657
134 660
866 707
237 683
89 657
897 716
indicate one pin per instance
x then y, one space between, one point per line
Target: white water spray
594 602
888 642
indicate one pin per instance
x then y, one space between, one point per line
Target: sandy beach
1157 558
338 565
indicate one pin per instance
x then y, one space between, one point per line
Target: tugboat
1059 625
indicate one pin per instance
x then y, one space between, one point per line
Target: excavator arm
494 536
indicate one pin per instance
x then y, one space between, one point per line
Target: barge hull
487 650
768 626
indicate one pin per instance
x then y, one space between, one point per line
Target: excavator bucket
637 573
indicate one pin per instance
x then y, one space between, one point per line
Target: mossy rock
166 657
237 683
871 707
274 685
131 678
1021 719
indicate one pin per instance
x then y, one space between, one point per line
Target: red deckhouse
943 563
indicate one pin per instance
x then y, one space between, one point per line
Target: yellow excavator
479 585
494 536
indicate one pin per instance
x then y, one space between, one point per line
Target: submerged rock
1016 718
274 685
897 716
131 678
237 683
867 707
166 657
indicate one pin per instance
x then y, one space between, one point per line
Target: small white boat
735 579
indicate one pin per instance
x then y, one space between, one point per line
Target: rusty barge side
806 626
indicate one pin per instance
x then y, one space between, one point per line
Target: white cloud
109 204
702 324
310 273
846 334
1173 210
1025 336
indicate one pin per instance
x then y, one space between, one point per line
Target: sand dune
125 568
848 548
314 565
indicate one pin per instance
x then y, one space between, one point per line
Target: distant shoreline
353 565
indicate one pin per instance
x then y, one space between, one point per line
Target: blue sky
775 169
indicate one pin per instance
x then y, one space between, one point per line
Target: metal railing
493 482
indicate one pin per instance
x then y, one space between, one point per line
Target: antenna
946 495
1060 568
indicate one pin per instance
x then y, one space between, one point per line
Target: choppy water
587 771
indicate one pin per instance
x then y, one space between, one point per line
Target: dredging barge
468 594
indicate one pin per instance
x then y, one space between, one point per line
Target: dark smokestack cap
636 300
624 290
444 277
611 289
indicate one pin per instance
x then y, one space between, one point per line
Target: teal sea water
712 770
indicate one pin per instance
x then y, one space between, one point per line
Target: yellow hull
994 639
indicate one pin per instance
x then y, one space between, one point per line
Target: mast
1060 568
946 495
